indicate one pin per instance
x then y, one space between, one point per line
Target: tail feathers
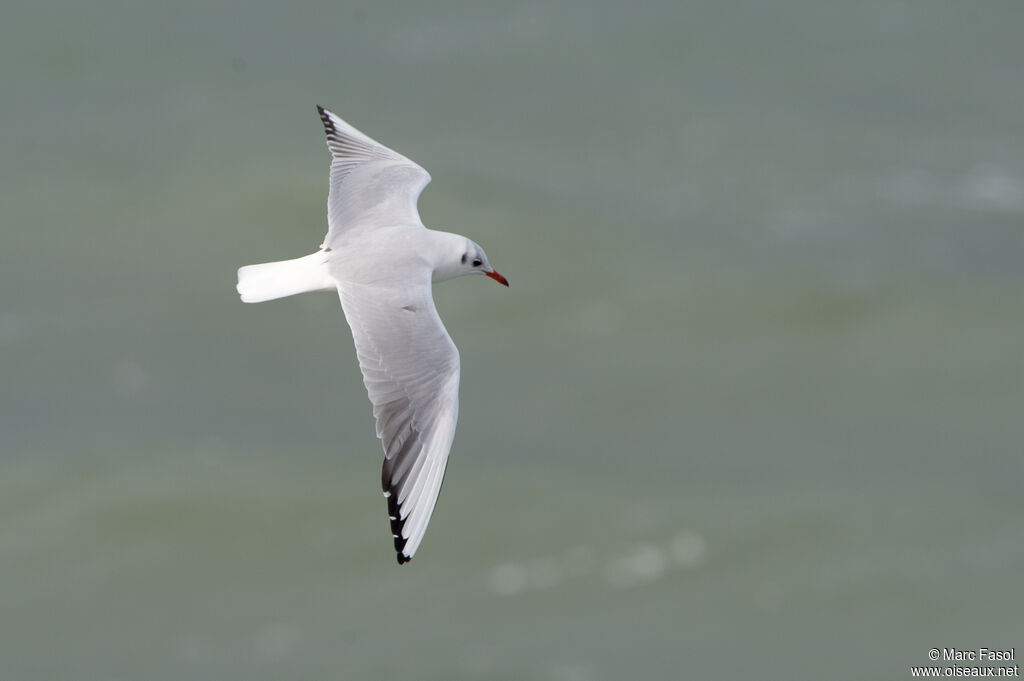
271 280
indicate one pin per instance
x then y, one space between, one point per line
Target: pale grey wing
411 370
371 185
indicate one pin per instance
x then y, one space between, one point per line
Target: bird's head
467 258
474 260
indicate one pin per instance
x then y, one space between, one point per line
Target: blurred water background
752 407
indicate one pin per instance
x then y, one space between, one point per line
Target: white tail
271 280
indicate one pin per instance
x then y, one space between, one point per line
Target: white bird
382 261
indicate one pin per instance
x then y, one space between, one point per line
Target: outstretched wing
411 370
371 185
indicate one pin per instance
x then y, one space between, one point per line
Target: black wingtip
325 116
394 514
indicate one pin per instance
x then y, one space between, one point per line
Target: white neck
445 255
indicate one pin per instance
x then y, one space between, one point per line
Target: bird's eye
477 262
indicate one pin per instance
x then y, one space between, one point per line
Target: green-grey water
752 407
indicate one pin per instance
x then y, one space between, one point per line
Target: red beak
497 277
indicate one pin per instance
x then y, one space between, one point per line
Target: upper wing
371 185
411 370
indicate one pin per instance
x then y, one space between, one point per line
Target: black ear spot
463 258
